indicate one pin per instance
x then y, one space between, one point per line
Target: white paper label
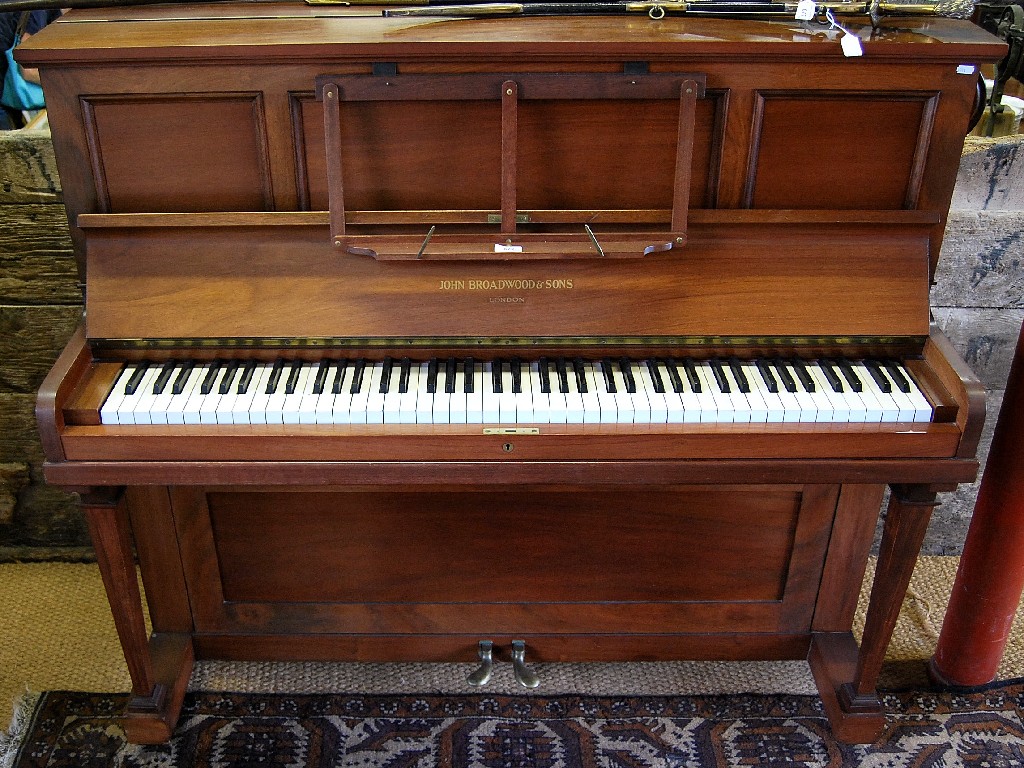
805 10
851 45
965 69
501 248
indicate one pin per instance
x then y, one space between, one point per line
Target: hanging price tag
805 10
851 45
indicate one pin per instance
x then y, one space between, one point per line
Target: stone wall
977 299
40 303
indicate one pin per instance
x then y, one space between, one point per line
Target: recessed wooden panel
849 152
179 153
586 154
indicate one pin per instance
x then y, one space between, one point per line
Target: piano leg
159 667
847 677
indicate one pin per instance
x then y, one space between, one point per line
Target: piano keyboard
511 391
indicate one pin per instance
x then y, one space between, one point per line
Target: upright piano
551 338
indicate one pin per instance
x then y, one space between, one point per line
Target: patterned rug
981 728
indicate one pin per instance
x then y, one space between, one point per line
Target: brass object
525 676
482 674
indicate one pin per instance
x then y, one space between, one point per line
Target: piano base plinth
833 661
151 720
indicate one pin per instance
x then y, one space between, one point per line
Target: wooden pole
990 579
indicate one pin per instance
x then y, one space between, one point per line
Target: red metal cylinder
990 578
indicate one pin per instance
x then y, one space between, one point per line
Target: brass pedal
482 674
525 676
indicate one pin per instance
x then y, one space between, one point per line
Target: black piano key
544 374
563 375
358 369
875 371
229 375
673 376
850 375
785 376
405 370
516 366
450 368
135 379
830 375
293 378
339 377
182 378
579 368
246 378
275 376
720 378
609 377
656 380
468 375
691 374
496 383
385 375
767 376
897 376
742 384
211 378
803 374
320 382
432 375
626 368
165 375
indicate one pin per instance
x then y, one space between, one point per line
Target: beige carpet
57 633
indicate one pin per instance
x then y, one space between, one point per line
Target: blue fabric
18 92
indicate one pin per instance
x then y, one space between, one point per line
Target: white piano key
457 400
475 399
175 409
311 398
506 398
741 411
108 411
839 406
756 398
440 400
656 400
708 400
242 406
292 403
261 398
392 403
208 408
424 399
407 399
890 411
541 401
374 397
341 402
524 400
922 408
191 411
590 399
641 403
361 397
675 409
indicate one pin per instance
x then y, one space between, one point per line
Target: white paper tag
851 45
965 69
805 10
502 248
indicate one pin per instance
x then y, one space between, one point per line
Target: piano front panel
192 282
504 560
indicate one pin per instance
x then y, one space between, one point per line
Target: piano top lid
295 31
